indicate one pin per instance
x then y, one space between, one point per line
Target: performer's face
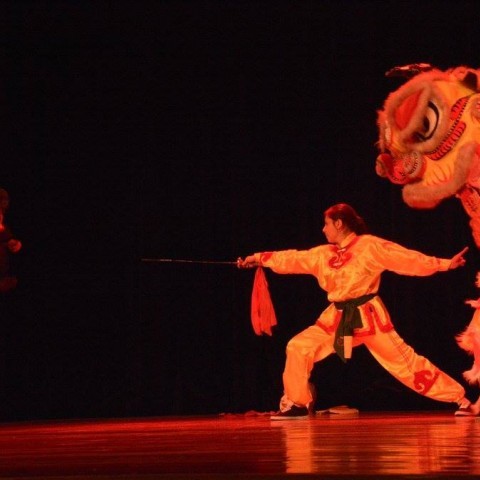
332 230
477 280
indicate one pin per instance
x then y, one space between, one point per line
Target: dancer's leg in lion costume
469 340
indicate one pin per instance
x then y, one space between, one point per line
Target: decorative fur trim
469 340
472 376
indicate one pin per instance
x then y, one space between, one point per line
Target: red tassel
262 312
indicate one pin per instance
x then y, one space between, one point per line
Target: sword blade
175 260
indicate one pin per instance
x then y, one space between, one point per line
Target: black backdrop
206 130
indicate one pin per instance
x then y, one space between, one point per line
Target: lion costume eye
429 124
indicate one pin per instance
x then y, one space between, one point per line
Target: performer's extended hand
458 260
247 262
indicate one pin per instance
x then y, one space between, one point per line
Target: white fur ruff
469 340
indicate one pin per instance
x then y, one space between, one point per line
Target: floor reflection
382 446
430 445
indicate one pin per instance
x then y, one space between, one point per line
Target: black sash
350 319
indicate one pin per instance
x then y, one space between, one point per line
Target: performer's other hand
473 303
247 262
14 245
458 260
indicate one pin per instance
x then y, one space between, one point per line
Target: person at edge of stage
349 269
8 245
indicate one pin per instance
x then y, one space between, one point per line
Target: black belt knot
350 319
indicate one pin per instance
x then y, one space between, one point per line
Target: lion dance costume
429 142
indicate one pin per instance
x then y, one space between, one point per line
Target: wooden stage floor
367 445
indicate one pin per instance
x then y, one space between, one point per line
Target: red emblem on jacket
340 258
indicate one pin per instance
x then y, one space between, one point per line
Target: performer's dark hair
346 213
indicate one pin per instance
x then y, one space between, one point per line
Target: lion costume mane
429 142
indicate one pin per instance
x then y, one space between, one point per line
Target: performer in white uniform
349 269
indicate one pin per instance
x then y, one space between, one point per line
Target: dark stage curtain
206 130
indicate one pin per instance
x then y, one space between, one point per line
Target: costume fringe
469 340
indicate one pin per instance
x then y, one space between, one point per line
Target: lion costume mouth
442 183
401 170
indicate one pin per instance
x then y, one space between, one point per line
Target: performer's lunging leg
303 350
416 371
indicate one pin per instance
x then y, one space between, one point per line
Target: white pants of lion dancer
378 335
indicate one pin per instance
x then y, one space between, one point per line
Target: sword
175 260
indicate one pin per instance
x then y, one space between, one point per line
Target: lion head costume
429 138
